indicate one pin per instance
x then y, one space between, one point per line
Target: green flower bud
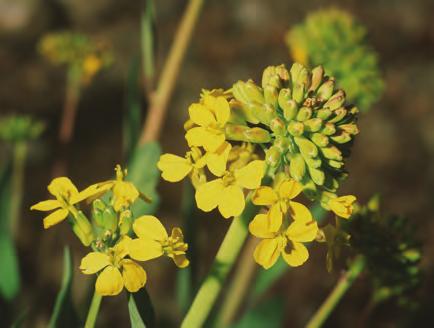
336 101
273 156
307 147
304 114
324 113
243 133
313 162
297 167
83 229
313 124
298 92
329 129
320 139
282 144
125 222
335 164
247 92
278 126
350 128
339 114
325 91
295 128
271 94
317 176
332 152
342 138
17 128
317 77
289 106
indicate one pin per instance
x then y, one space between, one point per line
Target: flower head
342 206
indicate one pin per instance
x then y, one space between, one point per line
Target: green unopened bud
310 189
295 72
349 128
336 101
304 114
331 184
323 114
335 164
297 167
125 222
316 175
412 255
339 114
82 228
298 92
313 124
289 106
332 152
247 92
306 146
273 156
263 112
270 95
283 73
342 138
320 139
282 144
257 135
278 126
313 162
317 76
329 129
274 75
274 81
325 91
295 128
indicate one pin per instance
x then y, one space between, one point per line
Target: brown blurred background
234 40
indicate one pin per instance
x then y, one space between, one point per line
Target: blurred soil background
234 40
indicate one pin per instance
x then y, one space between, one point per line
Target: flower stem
169 75
70 106
19 159
223 262
344 283
93 311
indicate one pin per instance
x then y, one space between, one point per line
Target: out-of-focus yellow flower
342 206
153 241
91 65
226 193
67 196
280 201
286 242
117 271
211 116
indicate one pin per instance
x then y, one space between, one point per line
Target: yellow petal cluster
342 206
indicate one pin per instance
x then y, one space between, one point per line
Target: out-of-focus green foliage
266 314
141 310
333 38
16 128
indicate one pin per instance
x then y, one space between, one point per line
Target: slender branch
223 262
344 283
169 75
70 107
19 159
93 311
147 43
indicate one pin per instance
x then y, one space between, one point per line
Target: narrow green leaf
143 172
19 321
132 116
141 309
63 312
9 271
268 314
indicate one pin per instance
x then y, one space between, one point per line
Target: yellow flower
67 196
280 201
286 242
117 271
226 193
342 206
211 117
153 241
91 65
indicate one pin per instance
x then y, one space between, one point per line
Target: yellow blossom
211 116
226 192
67 196
280 201
287 242
153 241
117 272
91 65
342 206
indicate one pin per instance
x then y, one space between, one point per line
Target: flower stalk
93 311
343 285
19 159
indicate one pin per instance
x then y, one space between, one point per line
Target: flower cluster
77 51
108 233
16 128
333 38
295 130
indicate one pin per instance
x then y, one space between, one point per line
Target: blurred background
393 154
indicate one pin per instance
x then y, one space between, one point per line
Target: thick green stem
344 283
93 311
223 262
169 75
19 159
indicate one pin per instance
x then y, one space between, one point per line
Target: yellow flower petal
211 140
220 107
94 262
290 189
144 250
174 168
55 218
231 202
342 206
150 228
302 231
181 261
62 186
109 282
295 254
122 246
216 162
133 274
91 192
208 195
251 175
201 115
46 205
300 212
125 193
264 196
262 226
267 252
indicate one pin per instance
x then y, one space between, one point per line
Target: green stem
93 311
147 41
223 262
344 283
169 75
19 159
